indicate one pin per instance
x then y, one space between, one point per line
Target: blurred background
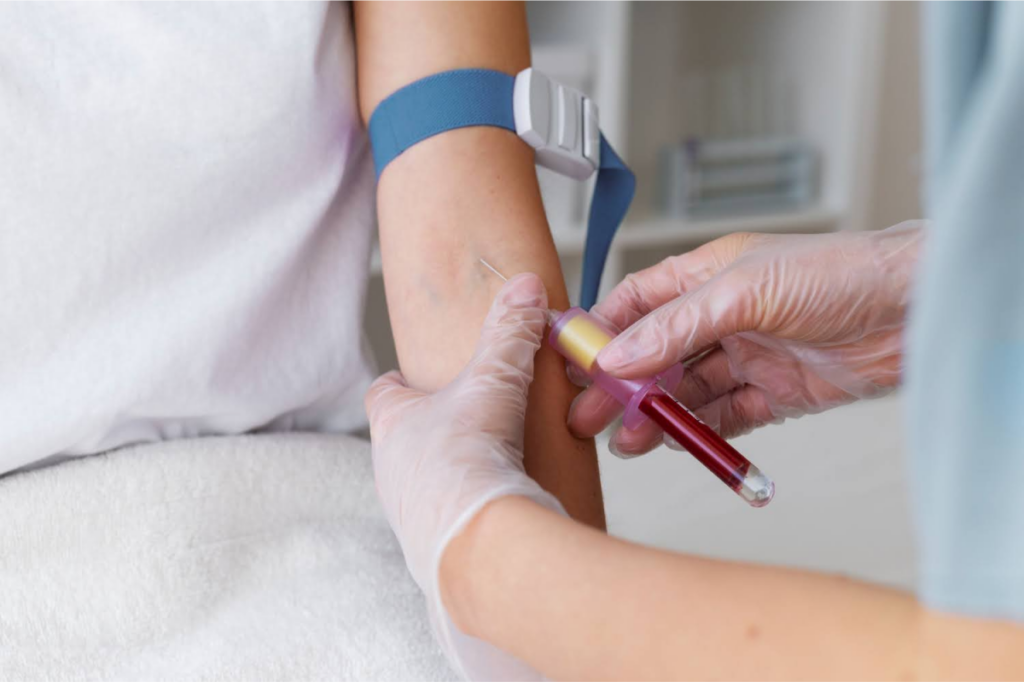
766 117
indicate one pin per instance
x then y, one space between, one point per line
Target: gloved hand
791 325
439 458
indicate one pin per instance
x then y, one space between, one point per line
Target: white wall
895 195
842 500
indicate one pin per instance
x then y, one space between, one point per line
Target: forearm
455 198
577 604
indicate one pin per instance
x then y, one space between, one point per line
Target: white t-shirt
186 207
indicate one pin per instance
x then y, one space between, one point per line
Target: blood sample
579 337
710 449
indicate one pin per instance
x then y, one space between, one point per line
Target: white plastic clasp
559 123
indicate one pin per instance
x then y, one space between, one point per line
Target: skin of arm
457 197
578 604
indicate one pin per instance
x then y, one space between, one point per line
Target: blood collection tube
579 337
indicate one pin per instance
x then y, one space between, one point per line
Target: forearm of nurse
577 604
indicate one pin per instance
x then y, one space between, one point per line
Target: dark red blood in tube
697 437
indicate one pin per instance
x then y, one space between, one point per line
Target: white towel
246 558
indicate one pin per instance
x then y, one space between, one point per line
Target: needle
551 314
494 270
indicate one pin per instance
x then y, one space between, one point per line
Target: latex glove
439 458
795 324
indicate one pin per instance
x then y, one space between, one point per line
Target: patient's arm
454 198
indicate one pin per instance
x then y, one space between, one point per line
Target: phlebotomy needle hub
579 337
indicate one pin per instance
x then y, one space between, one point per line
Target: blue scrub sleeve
965 372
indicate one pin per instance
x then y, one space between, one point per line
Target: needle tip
493 269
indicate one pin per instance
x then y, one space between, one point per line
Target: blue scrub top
965 372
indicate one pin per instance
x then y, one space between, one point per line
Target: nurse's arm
457 197
578 604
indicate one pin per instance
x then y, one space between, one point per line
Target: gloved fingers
737 412
641 292
520 302
591 412
629 443
577 376
706 380
509 339
701 383
386 399
726 305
